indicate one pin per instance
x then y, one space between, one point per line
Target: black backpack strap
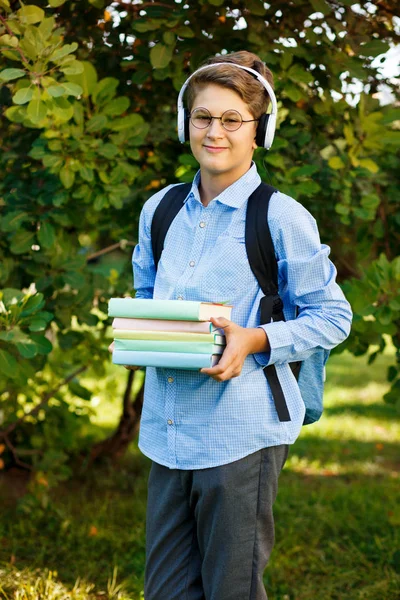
164 214
261 255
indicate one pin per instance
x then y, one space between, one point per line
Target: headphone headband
265 133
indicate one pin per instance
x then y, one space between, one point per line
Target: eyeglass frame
220 118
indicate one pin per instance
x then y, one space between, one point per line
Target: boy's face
218 151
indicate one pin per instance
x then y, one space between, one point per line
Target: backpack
262 260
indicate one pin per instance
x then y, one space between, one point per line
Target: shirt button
179 297
170 421
192 263
170 379
202 224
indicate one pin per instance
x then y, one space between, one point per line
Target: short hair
244 84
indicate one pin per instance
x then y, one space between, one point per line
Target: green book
168 336
181 310
165 346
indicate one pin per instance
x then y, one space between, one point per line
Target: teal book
168 336
168 346
181 310
171 360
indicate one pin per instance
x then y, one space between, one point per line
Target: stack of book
166 333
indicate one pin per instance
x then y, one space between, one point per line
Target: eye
232 117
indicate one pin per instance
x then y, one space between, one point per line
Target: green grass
337 512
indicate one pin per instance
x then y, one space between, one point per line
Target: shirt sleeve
307 279
144 270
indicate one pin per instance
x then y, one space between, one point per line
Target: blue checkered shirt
189 420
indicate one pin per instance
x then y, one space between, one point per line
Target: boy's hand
129 367
240 342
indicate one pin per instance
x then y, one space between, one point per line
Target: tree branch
121 244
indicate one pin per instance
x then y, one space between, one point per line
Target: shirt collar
235 194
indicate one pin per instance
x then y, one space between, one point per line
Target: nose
215 128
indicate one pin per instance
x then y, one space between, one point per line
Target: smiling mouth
215 147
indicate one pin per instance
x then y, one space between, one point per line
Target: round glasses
231 120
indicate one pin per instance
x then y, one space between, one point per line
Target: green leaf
36 111
74 279
8 40
23 95
336 163
56 90
62 52
169 37
37 324
62 109
14 336
161 55
78 390
108 151
297 74
10 74
87 79
46 234
33 304
11 296
8 364
73 68
370 201
30 14
13 220
117 107
292 92
369 164
133 121
216 2
105 90
67 177
5 4
286 59
384 315
27 349
100 202
96 123
15 114
374 48
43 345
22 242
56 3
183 31
46 27
86 173
320 6
72 89
256 7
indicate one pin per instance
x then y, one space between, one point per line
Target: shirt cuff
280 342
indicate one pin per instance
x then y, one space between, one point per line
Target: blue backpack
260 251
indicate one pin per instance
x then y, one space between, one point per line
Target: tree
88 133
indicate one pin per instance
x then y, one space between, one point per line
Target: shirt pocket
227 268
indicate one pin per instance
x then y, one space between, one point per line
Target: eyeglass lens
201 118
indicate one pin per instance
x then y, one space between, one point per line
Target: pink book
163 325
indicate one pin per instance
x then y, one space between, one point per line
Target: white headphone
266 125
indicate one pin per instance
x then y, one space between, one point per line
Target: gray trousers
210 532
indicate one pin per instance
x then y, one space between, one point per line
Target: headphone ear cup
186 116
262 130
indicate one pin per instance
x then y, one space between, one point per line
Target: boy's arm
324 315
